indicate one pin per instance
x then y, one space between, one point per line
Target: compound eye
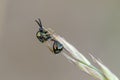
38 34
40 38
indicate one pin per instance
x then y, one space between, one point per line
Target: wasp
43 35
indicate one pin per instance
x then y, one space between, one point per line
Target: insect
43 36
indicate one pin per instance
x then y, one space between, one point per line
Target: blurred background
92 26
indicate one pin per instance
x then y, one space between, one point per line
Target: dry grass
72 54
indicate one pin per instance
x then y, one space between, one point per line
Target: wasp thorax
43 36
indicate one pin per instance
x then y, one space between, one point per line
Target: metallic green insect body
43 36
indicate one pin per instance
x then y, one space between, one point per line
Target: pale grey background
92 26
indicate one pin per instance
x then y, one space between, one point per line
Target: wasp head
42 34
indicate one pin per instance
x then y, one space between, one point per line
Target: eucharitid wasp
43 35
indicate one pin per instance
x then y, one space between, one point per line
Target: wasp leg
48 45
51 49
